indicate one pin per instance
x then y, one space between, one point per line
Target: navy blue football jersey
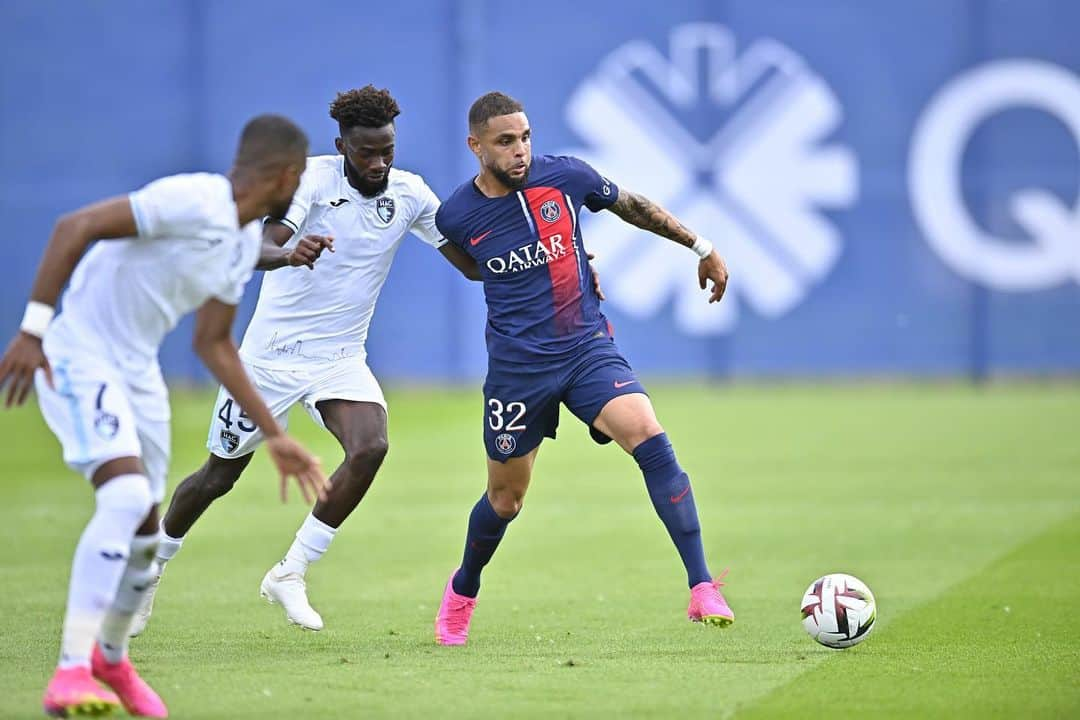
537 283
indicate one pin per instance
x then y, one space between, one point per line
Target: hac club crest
550 211
230 441
385 208
505 443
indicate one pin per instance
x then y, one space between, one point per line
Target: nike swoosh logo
680 496
476 240
623 384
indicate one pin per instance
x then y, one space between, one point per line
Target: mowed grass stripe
1005 643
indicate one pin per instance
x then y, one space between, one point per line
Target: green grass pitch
960 508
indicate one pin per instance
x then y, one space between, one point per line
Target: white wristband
36 319
702 247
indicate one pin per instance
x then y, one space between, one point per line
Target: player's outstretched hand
21 360
293 460
308 250
595 277
713 268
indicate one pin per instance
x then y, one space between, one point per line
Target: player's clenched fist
713 268
22 358
293 460
308 250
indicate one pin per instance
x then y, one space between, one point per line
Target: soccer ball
838 610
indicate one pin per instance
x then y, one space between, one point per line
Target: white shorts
233 434
100 413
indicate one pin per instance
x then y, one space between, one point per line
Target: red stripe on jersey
555 226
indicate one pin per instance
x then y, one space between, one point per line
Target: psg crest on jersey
505 443
384 208
230 441
550 211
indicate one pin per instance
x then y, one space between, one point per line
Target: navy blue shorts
521 402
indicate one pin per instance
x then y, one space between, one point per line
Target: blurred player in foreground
548 343
182 243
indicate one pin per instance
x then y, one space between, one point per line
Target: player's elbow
74 227
207 344
201 347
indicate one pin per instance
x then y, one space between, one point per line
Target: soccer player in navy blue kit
548 343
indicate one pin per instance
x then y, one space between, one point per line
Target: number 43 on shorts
225 416
505 417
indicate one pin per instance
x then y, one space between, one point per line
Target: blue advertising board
895 185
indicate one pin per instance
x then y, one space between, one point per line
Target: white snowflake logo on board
733 145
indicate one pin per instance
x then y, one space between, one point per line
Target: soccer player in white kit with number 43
181 243
306 341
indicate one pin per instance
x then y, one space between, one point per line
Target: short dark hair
367 107
489 105
269 140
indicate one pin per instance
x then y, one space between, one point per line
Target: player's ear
340 145
474 144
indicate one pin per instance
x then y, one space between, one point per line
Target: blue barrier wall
894 184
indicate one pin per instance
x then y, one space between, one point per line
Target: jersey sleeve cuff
598 201
288 223
142 226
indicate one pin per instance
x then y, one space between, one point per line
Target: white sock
167 548
312 540
100 559
134 583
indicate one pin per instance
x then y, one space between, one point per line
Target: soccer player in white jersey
179 244
305 343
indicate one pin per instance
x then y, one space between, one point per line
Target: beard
510 182
364 186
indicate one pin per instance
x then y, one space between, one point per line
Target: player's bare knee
506 503
650 430
216 486
640 433
367 457
219 476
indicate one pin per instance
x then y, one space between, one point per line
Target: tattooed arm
642 212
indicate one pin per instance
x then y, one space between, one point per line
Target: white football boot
290 590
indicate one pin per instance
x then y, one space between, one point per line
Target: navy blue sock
669 490
486 529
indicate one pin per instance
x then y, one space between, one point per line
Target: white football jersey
126 295
322 315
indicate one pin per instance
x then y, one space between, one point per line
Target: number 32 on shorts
505 417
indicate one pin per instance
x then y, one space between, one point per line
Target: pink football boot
72 691
455 612
707 603
139 699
